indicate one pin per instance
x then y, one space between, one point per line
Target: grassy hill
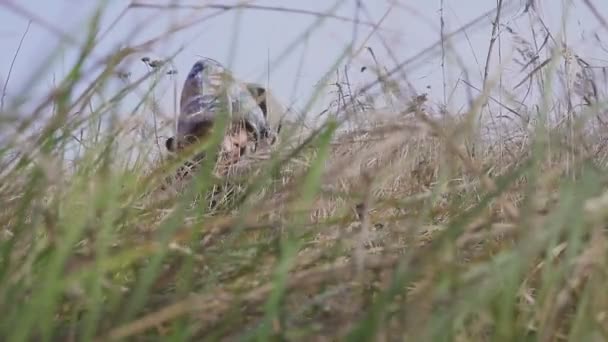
418 226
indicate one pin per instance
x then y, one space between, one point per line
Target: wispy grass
394 229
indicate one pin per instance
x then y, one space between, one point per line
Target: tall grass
411 224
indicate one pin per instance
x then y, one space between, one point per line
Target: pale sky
410 27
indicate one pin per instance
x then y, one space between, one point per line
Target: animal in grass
209 91
273 110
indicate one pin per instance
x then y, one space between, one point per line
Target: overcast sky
258 37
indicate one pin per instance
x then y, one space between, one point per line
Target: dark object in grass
210 91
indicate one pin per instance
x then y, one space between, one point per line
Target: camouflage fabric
210 90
